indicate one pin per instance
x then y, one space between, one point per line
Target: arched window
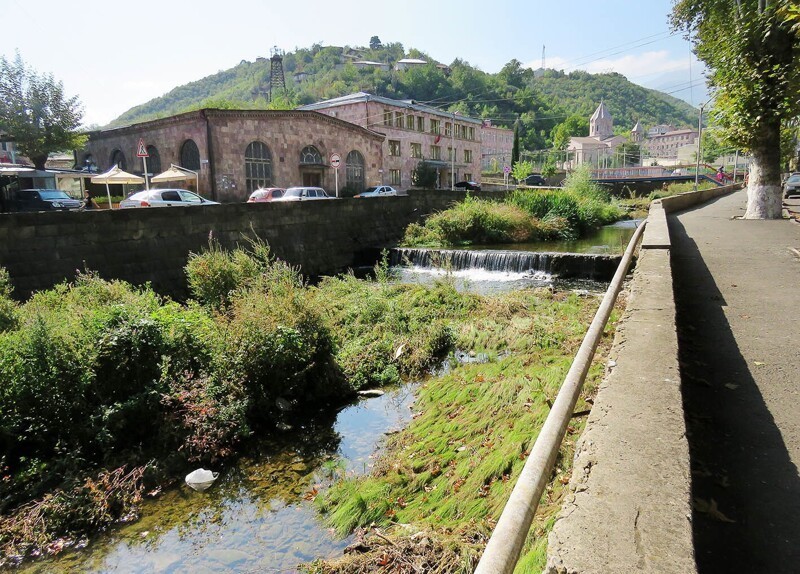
354 167
153 160
118 158
257 166
310 156
190 155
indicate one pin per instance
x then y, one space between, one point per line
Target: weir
595 267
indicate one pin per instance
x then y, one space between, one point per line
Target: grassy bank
436 493
523 216
110 390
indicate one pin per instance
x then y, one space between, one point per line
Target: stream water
259 515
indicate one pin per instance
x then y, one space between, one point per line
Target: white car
164 198
378 191
303 194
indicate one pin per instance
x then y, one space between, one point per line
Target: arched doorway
311 166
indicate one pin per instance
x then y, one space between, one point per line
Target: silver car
378 191
164 198
303 194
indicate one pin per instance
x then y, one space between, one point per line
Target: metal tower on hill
276 80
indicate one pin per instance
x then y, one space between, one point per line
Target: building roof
674 133
411 61
359 97
601 112
586 142
638 128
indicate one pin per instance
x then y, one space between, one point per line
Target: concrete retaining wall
140 245
629 508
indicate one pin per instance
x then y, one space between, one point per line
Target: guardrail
504 547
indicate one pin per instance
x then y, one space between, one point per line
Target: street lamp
699 144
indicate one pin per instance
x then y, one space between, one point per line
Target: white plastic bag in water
201 479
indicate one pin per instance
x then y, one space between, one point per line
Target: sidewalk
737 292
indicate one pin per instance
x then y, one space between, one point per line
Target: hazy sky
114 55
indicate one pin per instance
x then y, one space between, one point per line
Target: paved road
737 286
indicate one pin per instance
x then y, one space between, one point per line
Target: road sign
506 169
142 151
336 160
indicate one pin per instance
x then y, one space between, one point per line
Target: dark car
40 200
468 185
792 185
534 179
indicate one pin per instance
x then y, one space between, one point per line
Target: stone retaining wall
140 245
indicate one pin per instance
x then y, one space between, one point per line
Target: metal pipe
505 544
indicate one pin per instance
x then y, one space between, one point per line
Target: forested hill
321 72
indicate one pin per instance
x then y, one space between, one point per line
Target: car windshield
53 194
293 192
370 190
793 179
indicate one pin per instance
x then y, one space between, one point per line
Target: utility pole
453 154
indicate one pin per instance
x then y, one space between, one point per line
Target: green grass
524 216
454 466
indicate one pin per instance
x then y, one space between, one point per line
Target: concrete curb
629 508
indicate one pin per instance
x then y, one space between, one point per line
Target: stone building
413 132
496 146
236 151
667 145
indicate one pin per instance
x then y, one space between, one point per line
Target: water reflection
259 513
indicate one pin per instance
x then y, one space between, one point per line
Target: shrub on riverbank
525 215
100 374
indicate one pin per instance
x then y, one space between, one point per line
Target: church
599 147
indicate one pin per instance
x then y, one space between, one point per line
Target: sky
114 56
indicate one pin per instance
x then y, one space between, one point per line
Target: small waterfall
561 265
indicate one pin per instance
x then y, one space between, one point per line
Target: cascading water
540 265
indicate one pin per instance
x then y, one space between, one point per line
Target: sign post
506 171
336 160
142 153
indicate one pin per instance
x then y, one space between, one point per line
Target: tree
521 170
375 43
574 126
515 145
424 175
35 112
752 51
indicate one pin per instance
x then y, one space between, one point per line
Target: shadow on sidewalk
745 488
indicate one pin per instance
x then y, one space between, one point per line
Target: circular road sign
506 169
335 160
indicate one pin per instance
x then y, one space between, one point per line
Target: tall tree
515 145
375 43
753 54
35 112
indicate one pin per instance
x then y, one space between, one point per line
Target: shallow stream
259 515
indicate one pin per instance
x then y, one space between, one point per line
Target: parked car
265 194
792 185
468 185
378 191
304 194
40 200
534 179
164 198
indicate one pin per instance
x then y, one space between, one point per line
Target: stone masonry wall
140 245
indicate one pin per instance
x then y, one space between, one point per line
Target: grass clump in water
524 215
450 472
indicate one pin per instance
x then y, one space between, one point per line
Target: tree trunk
764 191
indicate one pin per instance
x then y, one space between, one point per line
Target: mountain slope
512 95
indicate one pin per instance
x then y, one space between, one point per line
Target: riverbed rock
371 393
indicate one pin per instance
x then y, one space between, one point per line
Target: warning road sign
142 151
